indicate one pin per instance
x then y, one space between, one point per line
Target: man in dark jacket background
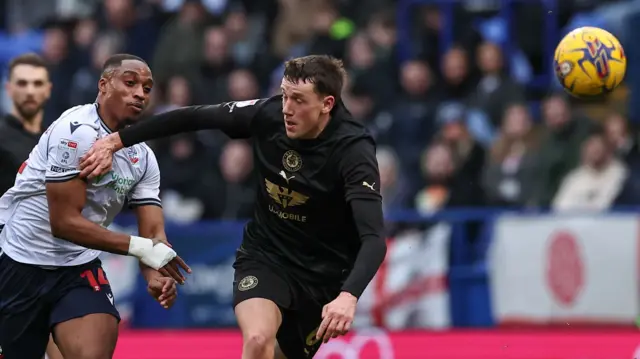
29 88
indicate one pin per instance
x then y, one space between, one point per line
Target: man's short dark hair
325 72
115 61
30 59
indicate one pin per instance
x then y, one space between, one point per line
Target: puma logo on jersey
284 175
370 186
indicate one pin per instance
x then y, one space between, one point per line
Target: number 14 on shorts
91 278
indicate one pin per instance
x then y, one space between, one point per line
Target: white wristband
139 246
155 257
159 256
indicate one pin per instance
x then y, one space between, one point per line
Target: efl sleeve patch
67 152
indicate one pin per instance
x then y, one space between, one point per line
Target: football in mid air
589 62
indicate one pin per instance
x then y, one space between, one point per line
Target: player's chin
292 134
135 111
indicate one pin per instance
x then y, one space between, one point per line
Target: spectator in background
85 81
438 169
215 67
394 191
595 184
136 24
560 146
61 69
457 80
324 39
360 59
381 30
365 70
495 90
236 192
179 47
445 187
243 35
624 143
242 86
509 175
177 93
29 88
412 121
84 35
188 179
469 155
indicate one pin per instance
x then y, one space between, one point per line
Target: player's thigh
259 294
85 319
297 334
24 314
52 350
92 336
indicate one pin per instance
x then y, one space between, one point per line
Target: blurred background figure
29 87
510 175
596 182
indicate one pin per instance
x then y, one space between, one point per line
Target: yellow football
589 62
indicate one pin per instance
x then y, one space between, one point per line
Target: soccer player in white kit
54 227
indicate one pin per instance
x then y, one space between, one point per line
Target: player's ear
102 85
327 104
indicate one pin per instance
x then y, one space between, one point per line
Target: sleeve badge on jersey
132 153
67 151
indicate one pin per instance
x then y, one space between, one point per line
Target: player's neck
33 125
322 125
106 117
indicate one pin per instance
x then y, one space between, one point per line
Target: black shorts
33 300
300 305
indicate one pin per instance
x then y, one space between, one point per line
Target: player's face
29 88
128 91
303 109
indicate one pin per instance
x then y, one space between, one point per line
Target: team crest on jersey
248 282
132 153
67 151
292 161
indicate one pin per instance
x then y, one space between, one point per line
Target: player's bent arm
232 118
66 201
359 171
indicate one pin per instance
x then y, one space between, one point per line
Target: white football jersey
24 211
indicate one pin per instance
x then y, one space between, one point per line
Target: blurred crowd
458 124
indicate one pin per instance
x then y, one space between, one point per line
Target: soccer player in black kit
316 238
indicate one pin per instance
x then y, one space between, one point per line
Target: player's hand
163 290
337 317
172 269
99 159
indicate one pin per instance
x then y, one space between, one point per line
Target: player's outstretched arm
232 118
